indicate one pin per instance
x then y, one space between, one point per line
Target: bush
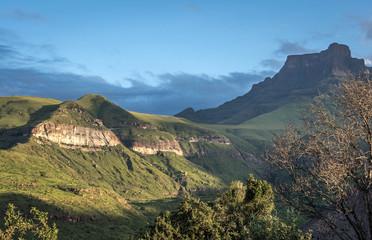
242 212
18 226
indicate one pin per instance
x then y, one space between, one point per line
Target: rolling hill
96 167
102 172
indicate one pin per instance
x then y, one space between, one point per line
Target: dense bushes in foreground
19 227
242 212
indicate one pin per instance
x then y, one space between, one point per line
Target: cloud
17 54
6 51
23 15
44 75
364 23
285 48
174 92
289 48
368 62
272 63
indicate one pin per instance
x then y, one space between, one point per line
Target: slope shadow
73 226
11 137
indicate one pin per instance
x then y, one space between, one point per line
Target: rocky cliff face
207 139
301 76
152 148
70 135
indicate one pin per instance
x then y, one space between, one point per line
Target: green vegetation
327 163
111 115
17 111
18 226
242 212
116 188
256 134
112 192
179 127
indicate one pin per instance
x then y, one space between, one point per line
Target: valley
102 171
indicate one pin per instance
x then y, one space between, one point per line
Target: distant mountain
302 76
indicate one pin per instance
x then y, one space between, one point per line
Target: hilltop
91 163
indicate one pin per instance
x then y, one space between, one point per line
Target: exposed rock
301 76
207 139
152 148
70 135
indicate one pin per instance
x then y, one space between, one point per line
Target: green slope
224 161
111 115
111 193
254 135
16 111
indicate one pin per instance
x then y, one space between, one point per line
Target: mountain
102 172
302 77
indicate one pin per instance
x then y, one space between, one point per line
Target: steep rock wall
68 135
152 148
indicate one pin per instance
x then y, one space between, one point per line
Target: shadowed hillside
302 77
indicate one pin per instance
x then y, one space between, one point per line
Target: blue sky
161 56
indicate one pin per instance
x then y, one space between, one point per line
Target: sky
162 56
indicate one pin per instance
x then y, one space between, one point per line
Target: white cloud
368 62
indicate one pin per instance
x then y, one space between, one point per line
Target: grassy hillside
221 160
254 135
81 188
17 111
111 115
111 193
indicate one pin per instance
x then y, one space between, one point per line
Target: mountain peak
337 50
302 76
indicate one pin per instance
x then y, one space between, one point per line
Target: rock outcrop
71 135
207 139
152 148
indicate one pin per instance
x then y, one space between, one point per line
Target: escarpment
175 145
153 147
207 139
302 76
71 135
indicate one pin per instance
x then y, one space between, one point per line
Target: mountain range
102 171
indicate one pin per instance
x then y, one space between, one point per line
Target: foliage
328 161
18 226
242 212
102 193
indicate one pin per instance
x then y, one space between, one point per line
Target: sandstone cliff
207 139
152 148
70 135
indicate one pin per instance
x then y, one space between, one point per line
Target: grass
255 135
17 111
110 194
111 115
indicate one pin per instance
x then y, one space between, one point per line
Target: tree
18 226
242 212
239 203
328 161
